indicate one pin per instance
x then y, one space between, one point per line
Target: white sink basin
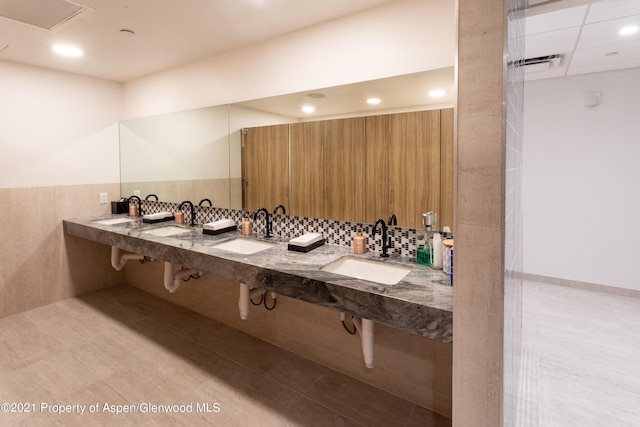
243 246
112 221
365 269
170 230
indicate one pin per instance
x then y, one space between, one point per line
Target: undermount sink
365 269
243 246
113 221
167 231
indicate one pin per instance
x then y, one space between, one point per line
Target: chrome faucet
275 210
269 226
139 204
386 241
193 211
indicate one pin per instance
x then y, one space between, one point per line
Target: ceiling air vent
540 63
47 14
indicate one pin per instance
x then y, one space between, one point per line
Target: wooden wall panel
307 164
377 135
414 165
266 158
446 169
344 169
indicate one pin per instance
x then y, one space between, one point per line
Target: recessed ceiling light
308 108
631 29
373 101
67 50
438 93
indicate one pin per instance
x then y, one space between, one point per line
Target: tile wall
40 265
404 240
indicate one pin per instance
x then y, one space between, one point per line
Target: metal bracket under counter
419 304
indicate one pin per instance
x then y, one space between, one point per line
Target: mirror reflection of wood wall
266 167
356 169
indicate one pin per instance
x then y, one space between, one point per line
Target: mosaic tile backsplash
404 241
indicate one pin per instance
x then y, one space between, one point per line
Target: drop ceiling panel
605 10
564 18
551 42
594 60
606 33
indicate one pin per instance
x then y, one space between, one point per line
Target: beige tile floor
581 358
124 347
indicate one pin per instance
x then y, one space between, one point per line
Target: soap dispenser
179 215
423 254
246 227
359 243
133 209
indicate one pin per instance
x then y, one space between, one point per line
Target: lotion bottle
359 243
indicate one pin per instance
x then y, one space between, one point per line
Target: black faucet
205 200
151 195
139 204
275 210
266 212
385 243
193 211
393 220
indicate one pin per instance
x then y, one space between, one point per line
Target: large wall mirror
203 153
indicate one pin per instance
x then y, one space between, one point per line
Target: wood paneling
445 216
307 164
266 160
344 169
357 169
378 138
414 165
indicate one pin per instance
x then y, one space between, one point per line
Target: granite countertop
422 302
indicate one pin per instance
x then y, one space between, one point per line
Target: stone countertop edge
421 303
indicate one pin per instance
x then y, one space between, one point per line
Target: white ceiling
400 93
167 32
583 32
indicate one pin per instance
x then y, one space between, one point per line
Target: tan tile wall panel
479 240
408 365
40 265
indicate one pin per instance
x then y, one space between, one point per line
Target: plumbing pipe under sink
246 295
172 282
365 330
118 262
